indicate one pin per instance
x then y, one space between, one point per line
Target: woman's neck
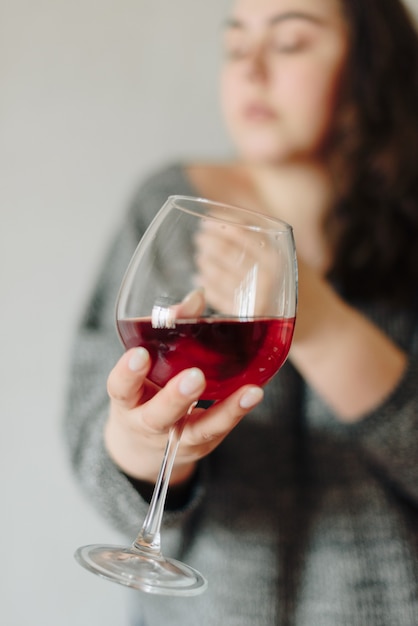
301 194
298 193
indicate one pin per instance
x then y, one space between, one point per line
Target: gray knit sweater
297 519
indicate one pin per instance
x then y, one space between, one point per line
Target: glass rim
272 224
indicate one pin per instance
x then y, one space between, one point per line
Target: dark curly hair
374 156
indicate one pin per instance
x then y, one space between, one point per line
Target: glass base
140 570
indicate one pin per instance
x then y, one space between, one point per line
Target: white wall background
93 95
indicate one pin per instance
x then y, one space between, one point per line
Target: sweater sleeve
388 436
95 351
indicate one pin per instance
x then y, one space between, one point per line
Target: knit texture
297 519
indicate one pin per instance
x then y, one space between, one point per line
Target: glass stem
149 537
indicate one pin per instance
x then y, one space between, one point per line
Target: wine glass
210 286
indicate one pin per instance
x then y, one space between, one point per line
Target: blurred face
283 65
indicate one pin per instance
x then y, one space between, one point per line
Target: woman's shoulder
154 188
170 178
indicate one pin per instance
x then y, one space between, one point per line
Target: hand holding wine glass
141 413
211 289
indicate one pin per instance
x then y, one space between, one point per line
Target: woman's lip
259 112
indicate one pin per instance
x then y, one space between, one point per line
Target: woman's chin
265 158
258 153
274 155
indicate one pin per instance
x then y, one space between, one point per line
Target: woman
306 513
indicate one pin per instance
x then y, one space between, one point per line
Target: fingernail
191 382
251 398
138 359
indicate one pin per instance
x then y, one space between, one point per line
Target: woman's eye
287 47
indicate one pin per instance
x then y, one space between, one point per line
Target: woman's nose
256 66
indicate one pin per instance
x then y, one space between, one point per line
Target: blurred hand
237 269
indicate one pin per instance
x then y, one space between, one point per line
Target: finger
220 286
220 300
173 401
191 306
232 257
125 384
215 261
232 235
208 428
220 249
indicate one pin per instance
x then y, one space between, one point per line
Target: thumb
125 384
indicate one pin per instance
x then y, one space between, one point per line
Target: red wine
231 353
